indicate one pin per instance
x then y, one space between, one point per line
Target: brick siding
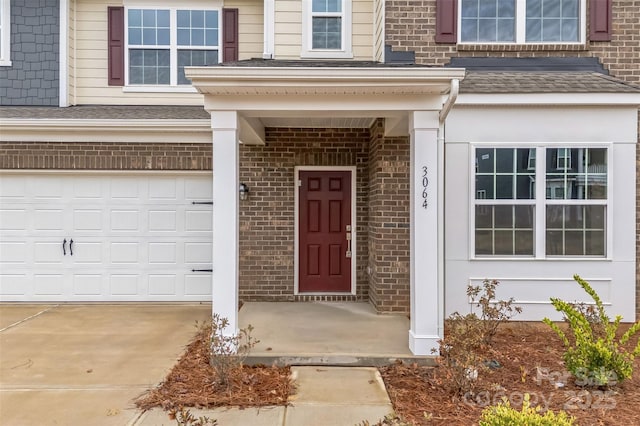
105 156
32 78
267 217
389 233
411 26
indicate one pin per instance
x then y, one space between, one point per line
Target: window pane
484 243
135 17
469 30
504 187
135 36
198 28
326 6
469 8
184 18
487 30
194 58
577 173
552 20
505 230
149 66
506 30
575 230
484 187
506 8
487 8
504 160
327 33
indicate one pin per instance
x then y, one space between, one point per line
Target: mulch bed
530 356
191 383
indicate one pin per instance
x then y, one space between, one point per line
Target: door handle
64 247
71 247
348 254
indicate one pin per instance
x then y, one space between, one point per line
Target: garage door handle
71 247
64 247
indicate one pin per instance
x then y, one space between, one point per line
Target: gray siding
33 77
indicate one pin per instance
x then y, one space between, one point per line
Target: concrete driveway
84 364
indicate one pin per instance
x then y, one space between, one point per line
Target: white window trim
521 27
5 47
307 37
540 203
173 47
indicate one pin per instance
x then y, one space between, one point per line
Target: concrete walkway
325 396
72 364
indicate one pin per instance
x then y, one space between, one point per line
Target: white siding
250 27
531 282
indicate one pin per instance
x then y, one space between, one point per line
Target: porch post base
423 344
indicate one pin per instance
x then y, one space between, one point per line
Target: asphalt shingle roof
106 112
543 82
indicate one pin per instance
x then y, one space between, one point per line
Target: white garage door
136 237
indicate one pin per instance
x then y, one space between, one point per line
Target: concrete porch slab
326 333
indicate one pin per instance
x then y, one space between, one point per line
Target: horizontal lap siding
250 27
105 156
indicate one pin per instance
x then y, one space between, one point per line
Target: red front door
325 221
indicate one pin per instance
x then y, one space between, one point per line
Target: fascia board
551 99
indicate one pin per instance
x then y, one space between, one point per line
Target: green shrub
594 355
504 415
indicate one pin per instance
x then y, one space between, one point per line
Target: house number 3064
425 184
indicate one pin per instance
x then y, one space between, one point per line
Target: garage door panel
13 252
162 253
198 252
162 220
87 220
197 189
124 253
13 219
87 284
48 252
162 189
135 237
48 219
51 284
87 251
47 188
12 188
124 220
14 284
197 285
198 220
125 189
162 284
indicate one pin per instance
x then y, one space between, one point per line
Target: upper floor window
5 32
161 42
327 29
522 21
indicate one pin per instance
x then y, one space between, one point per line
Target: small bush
228 352
504 415
184 417
467 337
595 357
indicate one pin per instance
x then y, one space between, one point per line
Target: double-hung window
161 42
327 28
5 32
540 202
522 21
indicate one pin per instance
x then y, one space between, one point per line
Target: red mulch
191 383
520 348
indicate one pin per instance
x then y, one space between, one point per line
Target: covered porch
290 128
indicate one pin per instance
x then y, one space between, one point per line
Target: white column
225 217
426 288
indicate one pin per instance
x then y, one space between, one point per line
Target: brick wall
267 217
389 233
411 26
105 156
32 78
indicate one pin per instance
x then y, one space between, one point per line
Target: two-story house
301 150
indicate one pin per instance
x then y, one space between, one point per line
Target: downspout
444 112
